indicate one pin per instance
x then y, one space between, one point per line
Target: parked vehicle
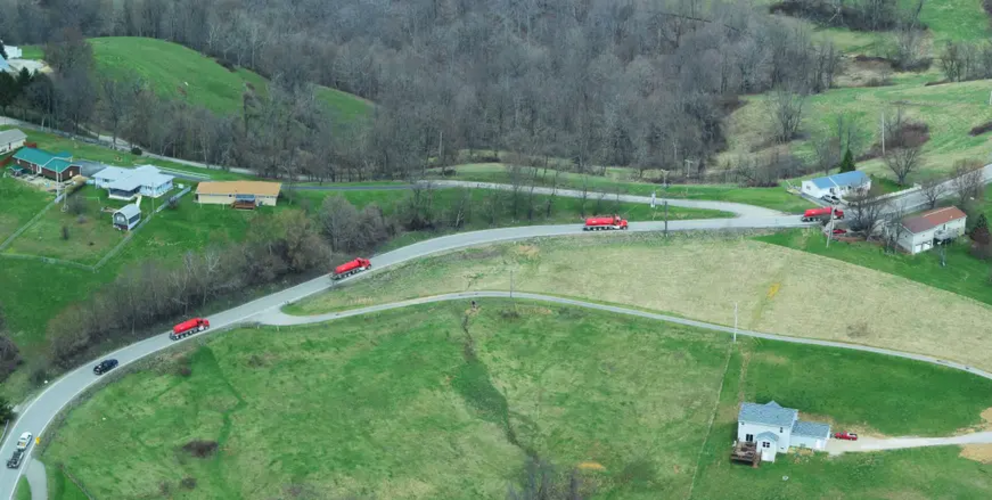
822 214
831 199
15 461
105 366
189 327
605 223
24 441
351 267
847 436
839 232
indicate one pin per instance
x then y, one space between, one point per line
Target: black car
15 461
105 366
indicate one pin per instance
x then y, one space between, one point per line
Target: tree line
591 81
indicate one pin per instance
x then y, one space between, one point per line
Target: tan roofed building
241 194
920 233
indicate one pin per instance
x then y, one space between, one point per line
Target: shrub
200 449
981 129
136 151
65 232
75 205
188 483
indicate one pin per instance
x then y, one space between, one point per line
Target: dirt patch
977 452
865 71
482 254
590 466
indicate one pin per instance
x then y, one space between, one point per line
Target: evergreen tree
980 234
847 164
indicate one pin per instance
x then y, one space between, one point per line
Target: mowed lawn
397 405
19 202
775 198
862 392
701 276
177 72
91 234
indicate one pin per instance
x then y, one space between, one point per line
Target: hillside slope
174 70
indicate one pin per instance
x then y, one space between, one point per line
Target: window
766 444
749 438
780 430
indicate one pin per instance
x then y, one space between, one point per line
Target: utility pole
440 145
666 217
883 132
735 322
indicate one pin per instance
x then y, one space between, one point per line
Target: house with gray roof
775 429
127 183
838 185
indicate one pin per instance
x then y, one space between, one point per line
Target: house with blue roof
775 429
838 185
57 167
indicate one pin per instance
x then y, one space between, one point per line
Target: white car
24 442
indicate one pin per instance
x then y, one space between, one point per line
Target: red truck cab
189 327
605 223
351 267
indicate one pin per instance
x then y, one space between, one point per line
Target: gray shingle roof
770 436
124 179
11 136
811 429
770 413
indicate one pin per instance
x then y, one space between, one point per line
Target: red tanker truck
821 214
605 223
189 327
351 267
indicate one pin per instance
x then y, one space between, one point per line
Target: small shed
127 217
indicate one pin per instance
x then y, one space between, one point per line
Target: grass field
774 198
701 276
61 487
783 371
403 410
170 67
18 204
406 410
950 111
90 236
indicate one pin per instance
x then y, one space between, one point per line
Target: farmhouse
775 429
920 233
126 183
241 193
837 185
40 162
127 217
11 140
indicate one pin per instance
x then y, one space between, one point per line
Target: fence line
6 243
114 251
49 260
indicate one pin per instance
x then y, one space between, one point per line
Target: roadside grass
774 198
701 276
19 202
563 209
964 275
177 72
414 412
90 236
950 110
23 489
61 487
85 151
862 390
36 52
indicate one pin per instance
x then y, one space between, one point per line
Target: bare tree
932 189
968 181
865 209
828 152
903 161
115 101
788 108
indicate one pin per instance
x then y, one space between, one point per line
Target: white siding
746 429
809 442
810 189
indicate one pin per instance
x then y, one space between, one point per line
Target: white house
13 52
126 183
919 233
837 185
11 140
127 217
775 429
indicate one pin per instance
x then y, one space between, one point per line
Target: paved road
37 478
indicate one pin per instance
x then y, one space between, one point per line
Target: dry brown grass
779 290
977 452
